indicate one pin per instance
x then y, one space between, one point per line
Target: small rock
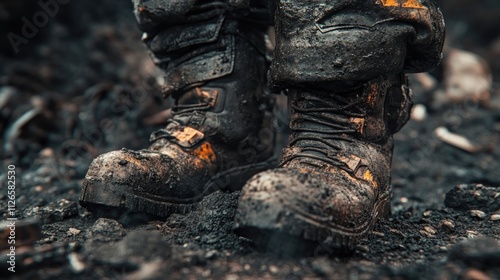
427 213
430 230
471 234
273 269
455 140
467 77
478 214
448 224
211 254
426 233
107 230
363 248
418 113
75 263
73 231
47 153
210 239
495 217
474 274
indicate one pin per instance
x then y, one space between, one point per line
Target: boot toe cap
306 205
114 175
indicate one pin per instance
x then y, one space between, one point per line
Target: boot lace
328 118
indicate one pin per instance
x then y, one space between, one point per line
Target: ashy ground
85 85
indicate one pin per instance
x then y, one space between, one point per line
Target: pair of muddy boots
342 65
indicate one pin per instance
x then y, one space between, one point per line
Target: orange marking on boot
415 4
359 123
205 152
411 4
188 136
390 3
368 176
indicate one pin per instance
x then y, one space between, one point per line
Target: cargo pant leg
327 42
195 41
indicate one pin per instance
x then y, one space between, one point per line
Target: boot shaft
215 64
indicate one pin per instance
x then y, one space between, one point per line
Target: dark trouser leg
354 40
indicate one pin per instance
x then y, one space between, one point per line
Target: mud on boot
342 64
221 132
333 180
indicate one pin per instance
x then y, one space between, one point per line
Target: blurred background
76 81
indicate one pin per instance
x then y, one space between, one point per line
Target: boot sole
313 236
114 200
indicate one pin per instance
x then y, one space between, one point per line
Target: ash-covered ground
83 84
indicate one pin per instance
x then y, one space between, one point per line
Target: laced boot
219 136
341 63
333 180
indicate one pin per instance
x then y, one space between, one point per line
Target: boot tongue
324 116
320 124
325 124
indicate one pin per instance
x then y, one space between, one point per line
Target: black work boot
333 180
342 63
221 131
